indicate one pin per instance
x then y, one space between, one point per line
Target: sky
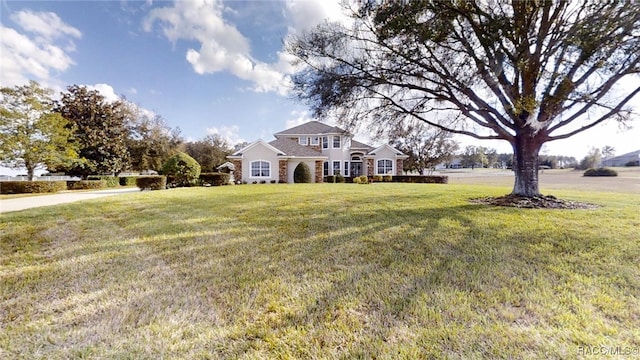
205 66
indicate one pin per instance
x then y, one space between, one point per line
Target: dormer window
303 140
315 140
336 142
325 142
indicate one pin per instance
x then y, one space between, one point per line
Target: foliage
214 178
302 174
150 141
29 187
387 178
608 151
592 160
209 152
330 179
339 179
474 156
600 172
430 179
91 184
99 128
152 182
526 72
633 163
183 169
127 180
31 134
376 178
323 272
363 179
110 181
426 146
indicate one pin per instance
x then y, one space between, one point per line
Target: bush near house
111 181
214 178
302 174
87 184
600 172
31 187
182 168
431 179
152 182
361 180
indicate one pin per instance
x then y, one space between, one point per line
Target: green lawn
320 271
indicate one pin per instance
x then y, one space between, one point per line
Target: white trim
239 154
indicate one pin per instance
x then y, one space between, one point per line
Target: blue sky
205 66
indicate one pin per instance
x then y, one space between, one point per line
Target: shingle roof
355 144
311 128
292 148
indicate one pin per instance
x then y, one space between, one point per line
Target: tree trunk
525 166
30 171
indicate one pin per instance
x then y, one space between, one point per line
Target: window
326 168
315 140
260 168
336 168
346 168
325 142
385 166
303 140
336 142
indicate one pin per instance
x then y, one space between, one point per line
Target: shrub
152 182
214 179
110 181
633 163
600 172
86 184
377 178
387 178
128 180
330 179
31 187
302 174
339 179
432 179
361 180
183 168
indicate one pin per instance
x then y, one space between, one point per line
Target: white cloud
39 51
229 133
224 48
105 90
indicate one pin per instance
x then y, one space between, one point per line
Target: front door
356 169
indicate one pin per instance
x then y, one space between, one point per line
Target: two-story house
326 150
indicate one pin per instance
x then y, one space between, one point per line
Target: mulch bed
538 202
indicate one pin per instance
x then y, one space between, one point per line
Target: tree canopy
526 72
31 134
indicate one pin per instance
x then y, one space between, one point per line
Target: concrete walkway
60 198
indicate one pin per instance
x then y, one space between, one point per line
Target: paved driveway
55 199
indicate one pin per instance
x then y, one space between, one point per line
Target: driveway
60 198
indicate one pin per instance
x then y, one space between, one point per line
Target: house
326 150
622 160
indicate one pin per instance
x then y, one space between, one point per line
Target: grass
319 271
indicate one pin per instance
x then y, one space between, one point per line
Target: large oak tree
527 72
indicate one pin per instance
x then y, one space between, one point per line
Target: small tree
474 156
184 169
31 134
302 174
592 160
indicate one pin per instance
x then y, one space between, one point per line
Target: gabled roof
291 148
253 144
312 128
397 152
355 144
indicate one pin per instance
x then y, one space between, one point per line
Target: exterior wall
282 171
260 152
399 166
237 174
370 167
342 154
388 154
291 168
319 178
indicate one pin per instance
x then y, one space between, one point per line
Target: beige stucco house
327 150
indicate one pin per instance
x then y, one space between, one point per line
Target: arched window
385 166
260 168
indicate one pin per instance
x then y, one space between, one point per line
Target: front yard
320 271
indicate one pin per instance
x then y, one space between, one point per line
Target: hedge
214 179
127 180
183 168
86 184
31 187
600 172
153 182
420 179
111 181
